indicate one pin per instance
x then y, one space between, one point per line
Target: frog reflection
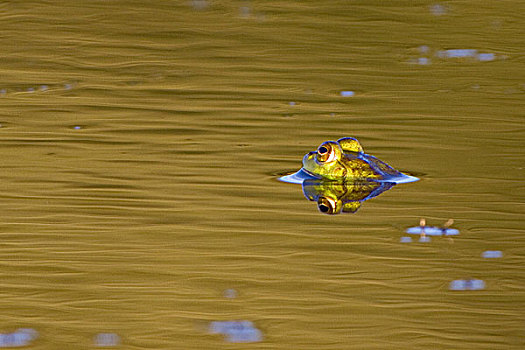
340 176
335 197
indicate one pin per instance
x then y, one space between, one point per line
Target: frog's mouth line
309 174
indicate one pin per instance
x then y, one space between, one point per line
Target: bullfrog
345 160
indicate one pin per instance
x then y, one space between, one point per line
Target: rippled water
141 144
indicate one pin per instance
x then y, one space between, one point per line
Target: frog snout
308 157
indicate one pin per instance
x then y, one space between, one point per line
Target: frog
345 160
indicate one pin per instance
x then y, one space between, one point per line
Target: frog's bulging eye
325 153
323 208
327 205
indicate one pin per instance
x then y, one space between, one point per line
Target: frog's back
363 166
379 167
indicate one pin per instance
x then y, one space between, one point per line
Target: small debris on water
466 53
245 11
492 254
452 54
199 4
106 339
236 331
424 49
423 61
438 9
230 293
77 127
20 337
468 284
291 103
424 230
347 93
485 57
457 53
36 89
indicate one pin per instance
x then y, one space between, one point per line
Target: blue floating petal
21 337
415 230
468 284
230 293
236 331
247 335
486 57
450 232
432 231
438 10
492 254
347 93
107 339
424 49
461 53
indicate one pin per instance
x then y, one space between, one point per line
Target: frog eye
327 205
326 153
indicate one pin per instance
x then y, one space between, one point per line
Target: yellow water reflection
335 197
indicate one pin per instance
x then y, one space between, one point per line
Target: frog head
329 160
325 162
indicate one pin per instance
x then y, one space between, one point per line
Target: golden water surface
141 141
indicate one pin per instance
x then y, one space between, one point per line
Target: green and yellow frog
345 160
339 176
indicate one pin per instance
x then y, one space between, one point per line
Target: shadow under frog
339 176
